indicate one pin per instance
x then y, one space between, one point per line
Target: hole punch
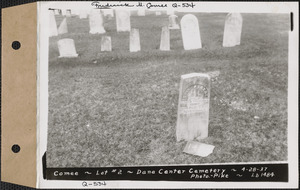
16 45
16 148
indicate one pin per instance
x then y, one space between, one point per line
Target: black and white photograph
146 85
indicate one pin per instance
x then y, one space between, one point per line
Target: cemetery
130 88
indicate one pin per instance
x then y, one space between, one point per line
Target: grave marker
56 12
123 20
190 32
66 48
68 13
198 149
170 12
173 23
232 30
96 22
106 43
165 39
63 28
108 12
134 40
52 24
193 107
157 13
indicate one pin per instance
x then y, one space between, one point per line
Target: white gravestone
83 14
232 30
52 24
108 12
66 48
190 32
173 23
106 43
193 107
63 28
96 22
68 13
134 40
165 39
56 12
63 12
123 20
141 12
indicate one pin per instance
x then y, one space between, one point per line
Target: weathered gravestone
68 13
108 12
96 22
56 12
63 12
66 48
165 39
173 23
141 12
83 14
106 43
52 24
193 107
232 30
198 149
63 28
190 32
123 20
134 40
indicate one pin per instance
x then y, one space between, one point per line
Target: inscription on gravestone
193 107
190 32
232 30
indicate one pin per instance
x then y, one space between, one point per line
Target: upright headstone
232 30
56 12
66 48
83 14
63 12
63 27
68 13
190 32
165 39
173 23
141 12
108 12
52 24
106 43
96 22
134 40
193 107
123 20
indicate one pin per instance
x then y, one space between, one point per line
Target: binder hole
15 148
16 45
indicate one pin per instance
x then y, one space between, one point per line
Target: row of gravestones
189 29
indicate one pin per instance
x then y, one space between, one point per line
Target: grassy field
120 108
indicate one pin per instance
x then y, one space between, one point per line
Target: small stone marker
190 32
108 12
63 12
170 12
83 14
66 48
165 39
157 13
52 24
56 12
232 30
106 43
96 22
123 20
141 12
134 40
193 107
68 13
173 24
63 28
198 149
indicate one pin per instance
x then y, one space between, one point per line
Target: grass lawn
120 108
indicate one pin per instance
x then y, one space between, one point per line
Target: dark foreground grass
120 108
